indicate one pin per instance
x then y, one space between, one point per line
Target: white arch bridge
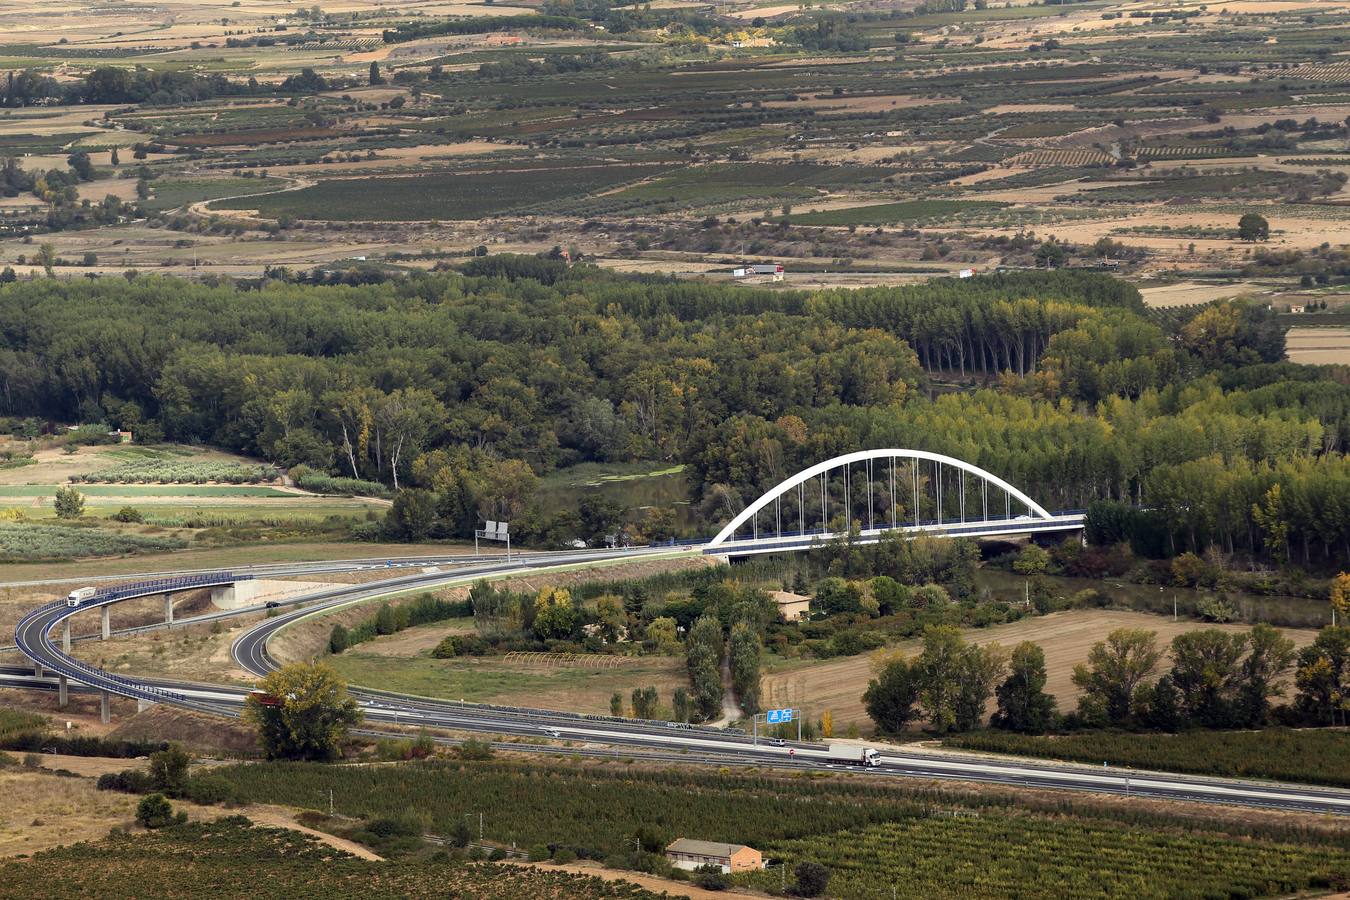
875 492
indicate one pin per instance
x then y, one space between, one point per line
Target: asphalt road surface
597 735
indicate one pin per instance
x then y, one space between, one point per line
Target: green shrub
154 811
129 514
128 781
178 471
207 790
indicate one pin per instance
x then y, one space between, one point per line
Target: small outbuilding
685 853
792 607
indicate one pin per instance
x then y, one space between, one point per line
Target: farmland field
468 196
25 541
894 213
170 193
494 680
1319 346
838 684
992 856
1308 756
946 840
202 859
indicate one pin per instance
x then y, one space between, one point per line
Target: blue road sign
778 716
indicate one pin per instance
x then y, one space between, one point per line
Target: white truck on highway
853 755
79 595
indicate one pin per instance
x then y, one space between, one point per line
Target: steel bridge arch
863 456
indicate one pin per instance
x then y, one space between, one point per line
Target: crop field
945 840
621 140
202 859
1066 158
838 684
895 213
27 541
508 682
1308 756
170 193
467 196
173 471
1319 346
990 856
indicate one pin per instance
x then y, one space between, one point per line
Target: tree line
1217 679
467 385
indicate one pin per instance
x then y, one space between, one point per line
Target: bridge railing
990 524
94 676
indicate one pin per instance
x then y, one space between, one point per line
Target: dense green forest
469 384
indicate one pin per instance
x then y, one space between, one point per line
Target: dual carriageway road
604 735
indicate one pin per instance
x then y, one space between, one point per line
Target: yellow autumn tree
1340 594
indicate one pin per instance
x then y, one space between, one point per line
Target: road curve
33 636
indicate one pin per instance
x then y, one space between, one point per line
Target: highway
664 740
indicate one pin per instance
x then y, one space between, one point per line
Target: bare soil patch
416 641
1319 346
43 810
198 732
1189 293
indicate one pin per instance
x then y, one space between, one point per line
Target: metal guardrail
92 675
975 525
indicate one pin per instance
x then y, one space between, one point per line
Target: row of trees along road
1218 679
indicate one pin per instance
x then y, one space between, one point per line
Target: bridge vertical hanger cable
892 491
914 471
938 464
870 523
962 472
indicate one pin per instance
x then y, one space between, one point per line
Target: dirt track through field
838 685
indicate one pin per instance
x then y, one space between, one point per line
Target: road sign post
778 717
494 531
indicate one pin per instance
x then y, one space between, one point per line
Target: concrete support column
37 670
65 636
143 705
107 622
168 609
105 707
62 692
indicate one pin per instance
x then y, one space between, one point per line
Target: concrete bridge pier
37 670
105 707
62 691
143 705
65 636
168 609
107 623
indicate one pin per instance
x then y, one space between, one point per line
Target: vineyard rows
1313 756
1061 158
1036 856
229 859
564 660
1179 152
170 471
947 841
1338 71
